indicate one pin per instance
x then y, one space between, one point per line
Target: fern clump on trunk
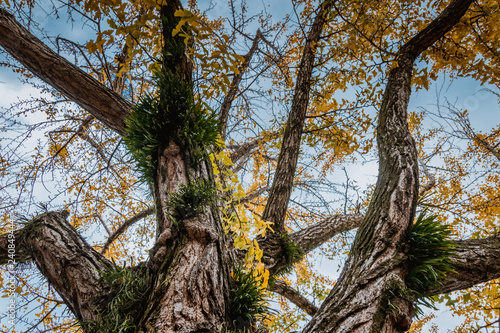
429 257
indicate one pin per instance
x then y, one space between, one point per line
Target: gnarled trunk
376 269
187 281
191 259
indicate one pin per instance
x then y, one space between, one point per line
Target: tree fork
368 295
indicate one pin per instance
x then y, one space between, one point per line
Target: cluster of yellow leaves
480 306
244 226
418 325
134 24
471 48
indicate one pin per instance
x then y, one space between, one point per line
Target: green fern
430 252
170 114
248 301
130 287
189 199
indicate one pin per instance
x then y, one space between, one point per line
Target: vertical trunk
192 264
369 295
365 296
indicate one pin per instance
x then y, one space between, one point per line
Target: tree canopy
184 166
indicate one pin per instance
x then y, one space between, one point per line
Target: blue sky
483 107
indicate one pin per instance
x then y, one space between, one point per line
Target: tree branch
107 106
254 194
66 260
279 196
231 95
121 229
311 237
20 254
448 18
294 296
358 300
476 261
306 239
242 150
240 153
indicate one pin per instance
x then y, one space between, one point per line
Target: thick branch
233 89
376 262
69 264
121 229
311 237
476 261
306 239
71 81
450 16
294 296
275 210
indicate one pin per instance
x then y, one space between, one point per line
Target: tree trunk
367 296
185 286
191 258
361 298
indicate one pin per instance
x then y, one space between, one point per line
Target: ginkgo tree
205 151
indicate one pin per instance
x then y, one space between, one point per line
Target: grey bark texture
103 103
66 260
192 260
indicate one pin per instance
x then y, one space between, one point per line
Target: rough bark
68 79
281 189
311 237
190 291
476 261
65 259
359 300
375 269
